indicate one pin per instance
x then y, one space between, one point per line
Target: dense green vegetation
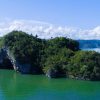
85 65
56 57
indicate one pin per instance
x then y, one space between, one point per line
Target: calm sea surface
14 86
91 49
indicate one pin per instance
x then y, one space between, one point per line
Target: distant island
89 44
56 57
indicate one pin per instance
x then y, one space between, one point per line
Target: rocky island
56 57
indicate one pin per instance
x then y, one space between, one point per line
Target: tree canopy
59 55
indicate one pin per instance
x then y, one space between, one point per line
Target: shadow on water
14 86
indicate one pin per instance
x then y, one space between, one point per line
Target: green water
14 86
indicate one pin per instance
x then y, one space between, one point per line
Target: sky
81 17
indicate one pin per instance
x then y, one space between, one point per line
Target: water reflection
14 86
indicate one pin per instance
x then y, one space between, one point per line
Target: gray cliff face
7 61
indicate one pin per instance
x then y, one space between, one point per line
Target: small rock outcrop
55 74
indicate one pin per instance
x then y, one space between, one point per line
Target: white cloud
46 30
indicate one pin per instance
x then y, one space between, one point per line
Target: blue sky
76 13
76 19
